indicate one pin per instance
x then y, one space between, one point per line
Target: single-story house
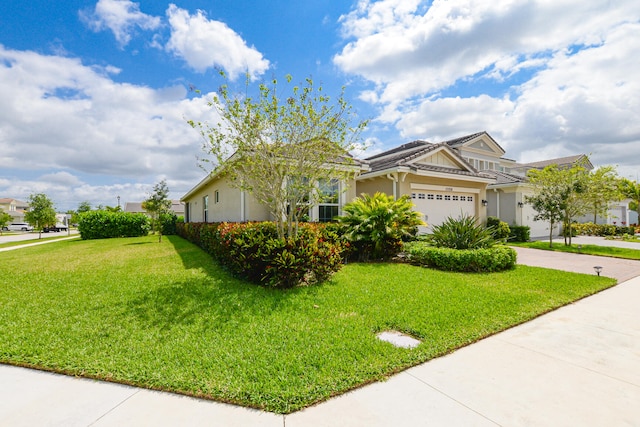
177 207
214 200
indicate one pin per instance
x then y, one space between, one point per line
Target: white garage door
436 206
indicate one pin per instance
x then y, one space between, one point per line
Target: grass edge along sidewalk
164 316
608 251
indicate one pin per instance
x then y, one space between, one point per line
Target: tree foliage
158 204
378 224
559 196
631 190
5 219
41 212
602 189
279 145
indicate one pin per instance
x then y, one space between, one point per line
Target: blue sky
95 94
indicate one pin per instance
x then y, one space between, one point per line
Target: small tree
157 205
631 190
602 189
5 219
41 212
560 195
279 147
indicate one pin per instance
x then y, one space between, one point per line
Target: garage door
437 206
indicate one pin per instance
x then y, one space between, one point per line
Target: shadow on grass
213 296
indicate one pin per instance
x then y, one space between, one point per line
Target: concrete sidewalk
579 365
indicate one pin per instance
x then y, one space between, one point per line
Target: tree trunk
551 234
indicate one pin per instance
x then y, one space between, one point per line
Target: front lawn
164 316
609 251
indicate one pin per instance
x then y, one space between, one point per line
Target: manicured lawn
585 249
164 316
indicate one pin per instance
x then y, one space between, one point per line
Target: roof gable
480 142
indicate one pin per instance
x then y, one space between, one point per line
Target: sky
95 95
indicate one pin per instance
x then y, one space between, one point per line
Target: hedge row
496 258
591 229
519 233
254 252
106 224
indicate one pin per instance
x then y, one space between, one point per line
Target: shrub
462 233
168 223
376 225
591 229
254 252
496 258
107 224
519 233
499 229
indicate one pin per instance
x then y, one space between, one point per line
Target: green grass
164 316
584 249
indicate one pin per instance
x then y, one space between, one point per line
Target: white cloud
409 51
122 17
205 43
567 70
69 119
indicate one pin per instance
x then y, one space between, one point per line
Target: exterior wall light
520 204
484 202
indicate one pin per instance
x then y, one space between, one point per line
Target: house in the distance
177 207
15 208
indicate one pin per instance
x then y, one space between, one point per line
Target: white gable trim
486 139
455 158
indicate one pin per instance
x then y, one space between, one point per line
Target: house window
205 208
430 196
329 200
187 209
421 196
447 197
216 196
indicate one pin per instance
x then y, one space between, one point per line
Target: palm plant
378 224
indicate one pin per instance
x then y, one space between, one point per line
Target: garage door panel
437 206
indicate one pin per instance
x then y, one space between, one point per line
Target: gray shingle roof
560 161
505 178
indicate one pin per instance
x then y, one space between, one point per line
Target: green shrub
107 224
376 225
462 233
168 223
499 229
254 252
604 230
519 233
484 260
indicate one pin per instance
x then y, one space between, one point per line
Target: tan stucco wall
403 186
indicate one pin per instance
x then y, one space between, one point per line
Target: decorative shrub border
496 258
254 252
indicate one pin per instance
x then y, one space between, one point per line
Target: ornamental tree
5 219
158 204
281 144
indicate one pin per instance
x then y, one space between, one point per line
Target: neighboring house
177 207
440 182
15 208
214 200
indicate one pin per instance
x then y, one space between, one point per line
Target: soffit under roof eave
383 172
